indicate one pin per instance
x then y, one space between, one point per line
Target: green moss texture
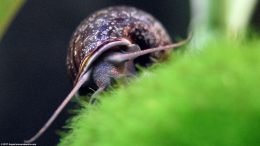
211 97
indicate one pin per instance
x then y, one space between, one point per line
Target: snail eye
123 51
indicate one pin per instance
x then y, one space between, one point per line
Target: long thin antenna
60 108
118 58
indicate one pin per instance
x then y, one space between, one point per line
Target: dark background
33 76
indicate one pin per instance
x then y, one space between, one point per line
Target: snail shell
110 25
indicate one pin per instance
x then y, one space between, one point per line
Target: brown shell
108 25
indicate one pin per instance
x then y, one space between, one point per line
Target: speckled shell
108 25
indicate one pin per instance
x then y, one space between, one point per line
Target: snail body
107 45
126 25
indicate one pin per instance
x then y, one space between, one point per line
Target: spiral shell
109 25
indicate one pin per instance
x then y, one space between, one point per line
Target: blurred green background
8 9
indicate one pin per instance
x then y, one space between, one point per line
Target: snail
107 45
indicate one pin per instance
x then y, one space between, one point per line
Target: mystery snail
107 45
